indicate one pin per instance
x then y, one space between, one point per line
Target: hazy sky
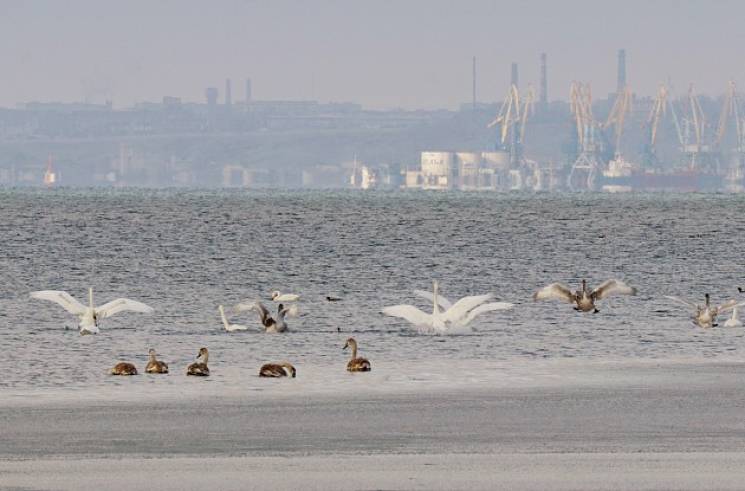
382 54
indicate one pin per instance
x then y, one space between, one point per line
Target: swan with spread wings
90 316
453 315
584 299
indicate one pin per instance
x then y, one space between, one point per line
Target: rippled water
186 252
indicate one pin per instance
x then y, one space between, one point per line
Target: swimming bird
284 297
733 321
154 365
228 326
706 315
459 314
739 289
332 299
356 364
584 298
283 369
270 323
91 316
124 368
200 368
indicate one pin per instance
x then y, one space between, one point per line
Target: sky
413 54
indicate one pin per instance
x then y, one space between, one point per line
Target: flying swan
456 315
584 298
91 316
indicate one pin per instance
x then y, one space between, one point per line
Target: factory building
438 170
467 171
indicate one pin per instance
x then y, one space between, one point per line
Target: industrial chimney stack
474 84
514 78
543 100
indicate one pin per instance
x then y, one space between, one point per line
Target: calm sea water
186 252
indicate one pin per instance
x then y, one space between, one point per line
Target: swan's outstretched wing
558 291
61 298
264 314
409 313
443 302
243 307
462 307
613 287
487 307
122 305
679 300
729 305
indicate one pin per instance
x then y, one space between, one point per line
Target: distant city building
211 93
170 101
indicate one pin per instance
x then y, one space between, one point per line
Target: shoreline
617 471
659 426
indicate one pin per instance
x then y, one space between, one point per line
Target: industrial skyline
382 55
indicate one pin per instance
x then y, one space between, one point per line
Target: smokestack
474 84
514 79
228 95
248 90
544 83
621 70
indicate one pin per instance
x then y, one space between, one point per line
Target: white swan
284 297
228 326
706 315
91 315
733 321
459 314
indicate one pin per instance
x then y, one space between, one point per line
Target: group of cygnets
200 368
456 314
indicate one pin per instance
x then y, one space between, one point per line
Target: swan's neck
90 298
224 319
584 286
435 304
204 357
152 357
707 299
734 313
354 350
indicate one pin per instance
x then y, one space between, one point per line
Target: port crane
584 169
513 118
617 116
656 113
697 152
731 111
